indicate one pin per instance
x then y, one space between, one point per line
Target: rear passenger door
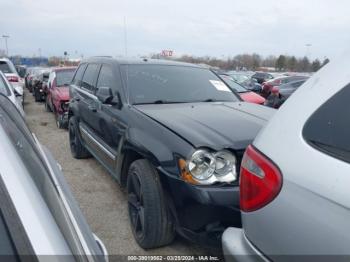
111 125
88 102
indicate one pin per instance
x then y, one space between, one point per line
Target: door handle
92 108
77 99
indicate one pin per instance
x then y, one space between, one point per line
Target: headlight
205 167
225 163
201 165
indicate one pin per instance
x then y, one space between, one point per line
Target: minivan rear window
328 128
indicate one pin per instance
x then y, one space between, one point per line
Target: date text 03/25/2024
173 258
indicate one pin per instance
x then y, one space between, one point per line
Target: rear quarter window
328 128
79 75
90 77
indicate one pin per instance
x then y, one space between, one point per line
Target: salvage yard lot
100 198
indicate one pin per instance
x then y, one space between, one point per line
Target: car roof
139 61
64 68
4 59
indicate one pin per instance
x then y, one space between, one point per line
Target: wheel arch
130 153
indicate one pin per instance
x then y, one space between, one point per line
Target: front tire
61 124
77 149
151 221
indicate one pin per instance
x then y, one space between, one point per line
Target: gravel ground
100 198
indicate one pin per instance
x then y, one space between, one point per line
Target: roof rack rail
107 56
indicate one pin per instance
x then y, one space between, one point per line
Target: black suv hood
215 125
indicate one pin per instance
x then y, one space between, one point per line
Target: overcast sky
198 27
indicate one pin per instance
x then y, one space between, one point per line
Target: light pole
308 49
7 49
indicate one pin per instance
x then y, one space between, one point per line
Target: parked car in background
286 90
173 134
57 96
40 84
294 183
244 93
22 70
28 77
268 85
39 216
34 77
285 80
7 89
246 80
9 70
262 77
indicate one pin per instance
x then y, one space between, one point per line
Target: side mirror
18 91
105 95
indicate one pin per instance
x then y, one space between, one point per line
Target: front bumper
236 247
202 213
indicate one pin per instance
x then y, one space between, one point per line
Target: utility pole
125 38
308 46
7 49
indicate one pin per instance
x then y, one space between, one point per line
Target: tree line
255 62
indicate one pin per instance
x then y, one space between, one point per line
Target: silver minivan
295 177
39 218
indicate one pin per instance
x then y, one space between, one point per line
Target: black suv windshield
233 85
148 84
64 77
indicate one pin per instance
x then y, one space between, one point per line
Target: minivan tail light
12 78
260 180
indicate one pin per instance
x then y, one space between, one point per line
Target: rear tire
77 149
150 218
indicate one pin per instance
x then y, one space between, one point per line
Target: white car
8 90
295 177
9 70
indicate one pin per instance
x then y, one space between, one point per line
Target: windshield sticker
219 85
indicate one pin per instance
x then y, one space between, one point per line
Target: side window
328 128
106 78
90 77
79 75
297 84
3 87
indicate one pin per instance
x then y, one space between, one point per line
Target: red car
57 95
244 93
267 86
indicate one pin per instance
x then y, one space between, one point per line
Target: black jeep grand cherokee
173 134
